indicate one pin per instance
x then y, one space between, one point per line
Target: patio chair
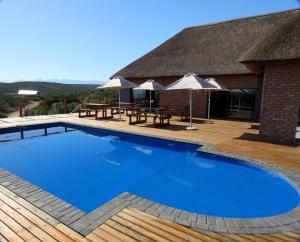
162 117
184 115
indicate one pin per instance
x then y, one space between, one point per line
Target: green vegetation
55 104
44 88
109 96
8 104
52 97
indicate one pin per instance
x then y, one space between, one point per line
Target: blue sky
92 39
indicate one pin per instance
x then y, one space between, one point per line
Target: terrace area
20 220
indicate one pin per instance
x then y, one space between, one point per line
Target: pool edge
87 222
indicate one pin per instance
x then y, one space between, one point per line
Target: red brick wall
178 99
280 101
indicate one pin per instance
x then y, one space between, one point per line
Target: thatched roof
212 49
282 43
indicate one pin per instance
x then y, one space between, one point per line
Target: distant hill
45 88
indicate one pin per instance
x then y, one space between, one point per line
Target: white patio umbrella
150 85
218 87
120 83
191 82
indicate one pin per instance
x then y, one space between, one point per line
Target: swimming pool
87 167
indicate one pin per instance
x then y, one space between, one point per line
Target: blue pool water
87 167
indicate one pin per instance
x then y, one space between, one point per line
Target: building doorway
234 104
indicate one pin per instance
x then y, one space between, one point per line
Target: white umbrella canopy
218 87
120 83
150 85
191 82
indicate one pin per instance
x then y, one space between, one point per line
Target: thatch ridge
243 18
282 43
205 50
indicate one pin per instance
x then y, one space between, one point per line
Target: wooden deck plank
163 227
71 233
106 236
15 226
34 240
292 234
176 228
268 237
2 239
36 231
42 215
150 227
9 234
215 235
285 237
38 225
127 231
138 229
253 238
237 237
117 233
95 238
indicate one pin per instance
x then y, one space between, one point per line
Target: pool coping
85 223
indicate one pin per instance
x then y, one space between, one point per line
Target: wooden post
45 108
65 106
21 106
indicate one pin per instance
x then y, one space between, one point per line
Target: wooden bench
139 114
104 113
87 112
139 118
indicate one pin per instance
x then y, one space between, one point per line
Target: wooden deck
21 221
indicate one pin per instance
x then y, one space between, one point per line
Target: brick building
256 58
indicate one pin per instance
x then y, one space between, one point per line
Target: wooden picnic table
124 108
96 105
88 108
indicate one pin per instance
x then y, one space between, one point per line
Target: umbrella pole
208 109
119 104
150 101
208 112
191 108
191 111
